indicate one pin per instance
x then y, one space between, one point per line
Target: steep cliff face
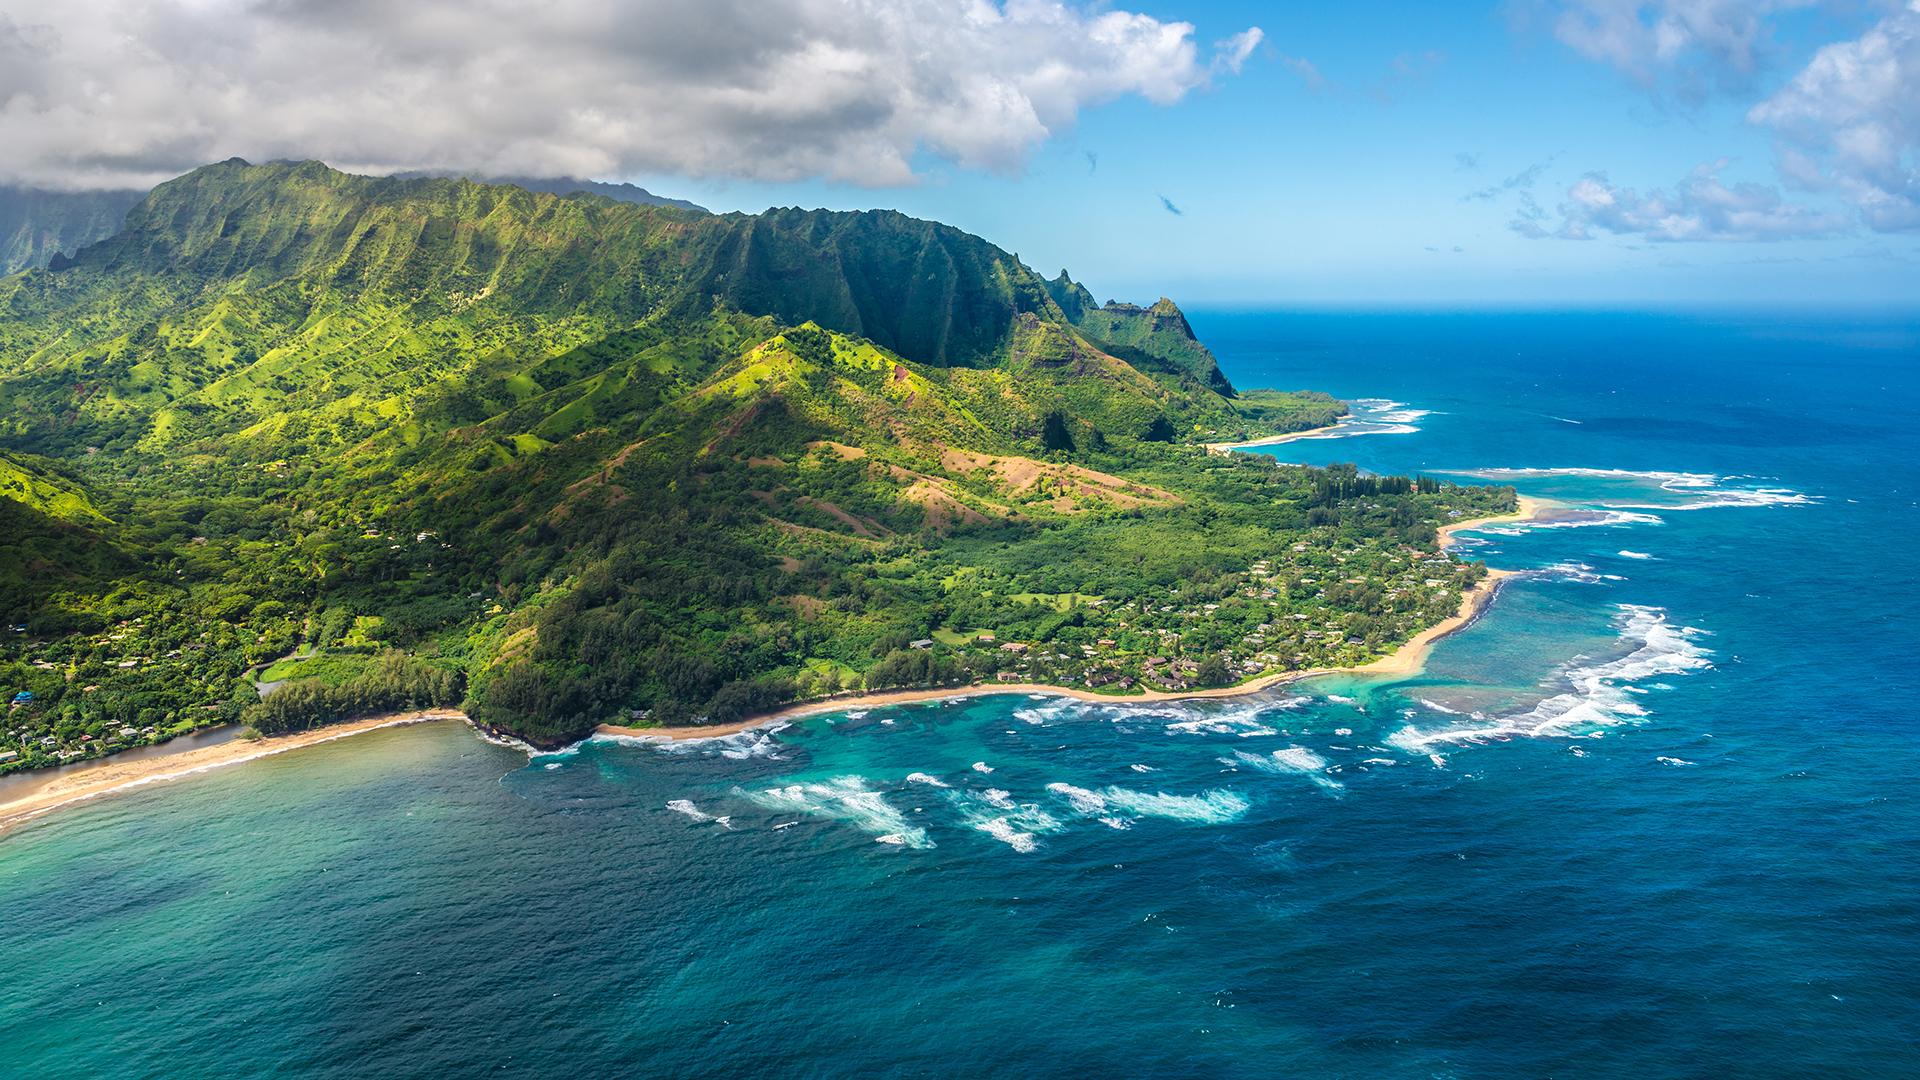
240 294
594 456
1155 339
36 226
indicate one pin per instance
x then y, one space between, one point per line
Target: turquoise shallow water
1653 816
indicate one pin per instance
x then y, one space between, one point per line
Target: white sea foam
1292 761
685 806
1299 758
923 778
1635 555
749 744
1673 761
1247 720
1375 416
1207 808
1000 829
1116 807
982 767
846 799
994 812
739 746
1578 572
1585 519
1713 491
1597 694
1082 800
1141 768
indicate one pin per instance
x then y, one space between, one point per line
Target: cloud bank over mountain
123 93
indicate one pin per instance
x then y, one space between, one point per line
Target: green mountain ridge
568 460
568 185
37 225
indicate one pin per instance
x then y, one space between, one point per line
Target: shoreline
1409 659
1529 508
1272 440
111 776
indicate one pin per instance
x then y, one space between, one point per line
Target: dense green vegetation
392 443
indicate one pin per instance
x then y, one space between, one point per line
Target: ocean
1654 814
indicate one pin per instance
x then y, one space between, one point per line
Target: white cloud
121 92
1230 56
1690 43
1700 207
1850 122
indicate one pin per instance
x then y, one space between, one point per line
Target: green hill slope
570 460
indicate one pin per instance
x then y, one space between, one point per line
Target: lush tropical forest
295 445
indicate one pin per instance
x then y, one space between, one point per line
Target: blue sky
1350 183
1560 152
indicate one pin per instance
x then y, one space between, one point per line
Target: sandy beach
1408 659
109 776
1529 509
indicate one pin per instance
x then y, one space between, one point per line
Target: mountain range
390 441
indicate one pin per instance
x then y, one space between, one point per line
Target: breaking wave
1376 416
1597 695
1574 519
1245 718
1015 824
1292 761
1118 806
685 806
846 799
739 746
1699 491
1578 572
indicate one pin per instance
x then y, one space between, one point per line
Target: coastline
1409 659
1271 440
112 776
1529 508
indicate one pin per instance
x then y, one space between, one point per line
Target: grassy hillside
569 460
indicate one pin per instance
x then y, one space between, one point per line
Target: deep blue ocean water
1657 814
